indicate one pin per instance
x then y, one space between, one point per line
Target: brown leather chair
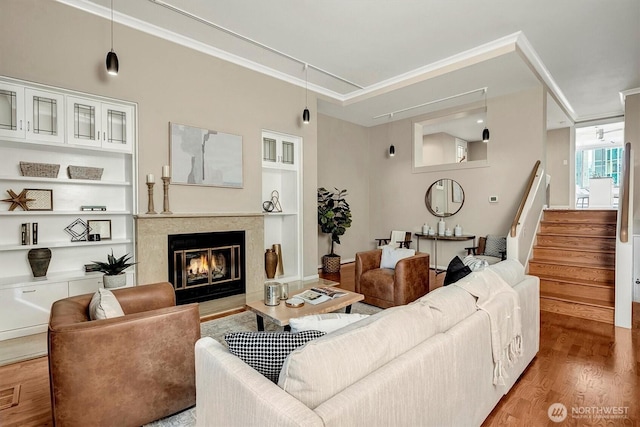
384 287
124 371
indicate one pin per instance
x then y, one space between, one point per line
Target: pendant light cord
112 25
306 84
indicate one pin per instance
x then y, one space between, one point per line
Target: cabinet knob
637 281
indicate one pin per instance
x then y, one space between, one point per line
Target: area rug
245 321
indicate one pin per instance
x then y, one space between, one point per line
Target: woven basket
84 172
41 170
330 264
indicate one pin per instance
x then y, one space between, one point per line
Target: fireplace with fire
205 266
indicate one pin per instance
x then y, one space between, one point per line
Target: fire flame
199 265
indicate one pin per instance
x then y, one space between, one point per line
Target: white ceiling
409 52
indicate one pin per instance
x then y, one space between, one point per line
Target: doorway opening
598 165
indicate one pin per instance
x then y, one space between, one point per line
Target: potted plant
334 217
113 270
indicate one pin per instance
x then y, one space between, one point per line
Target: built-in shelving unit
44 124
282 171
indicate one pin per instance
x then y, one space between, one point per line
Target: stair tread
571 264
574 281
578 221
590 236
590 250
579 300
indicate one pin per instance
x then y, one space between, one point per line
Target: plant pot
331 263
39 261
117 281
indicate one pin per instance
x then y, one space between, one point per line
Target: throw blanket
502 304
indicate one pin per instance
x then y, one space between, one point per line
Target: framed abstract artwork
205 157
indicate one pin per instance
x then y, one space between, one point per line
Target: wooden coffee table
280 314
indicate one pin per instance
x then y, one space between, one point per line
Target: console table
435 239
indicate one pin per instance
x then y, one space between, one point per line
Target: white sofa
428 363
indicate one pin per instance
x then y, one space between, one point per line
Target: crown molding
514 42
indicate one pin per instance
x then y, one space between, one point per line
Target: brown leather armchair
384 287
124 371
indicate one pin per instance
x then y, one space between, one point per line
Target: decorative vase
270 263
441 227
278 250
331 263
39 261
117 281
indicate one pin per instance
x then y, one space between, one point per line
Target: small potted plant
113 270
334 217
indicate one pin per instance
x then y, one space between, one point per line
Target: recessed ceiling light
480 121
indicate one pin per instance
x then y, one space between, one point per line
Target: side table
435 239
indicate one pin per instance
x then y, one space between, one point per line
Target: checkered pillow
495 245
266 351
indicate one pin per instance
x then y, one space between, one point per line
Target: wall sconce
392 150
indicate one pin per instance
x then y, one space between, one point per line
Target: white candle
150 178
166 173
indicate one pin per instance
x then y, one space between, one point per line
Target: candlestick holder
150 207
165 186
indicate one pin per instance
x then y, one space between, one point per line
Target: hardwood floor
583 364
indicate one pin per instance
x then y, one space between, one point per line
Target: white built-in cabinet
38 124
282 172
99 124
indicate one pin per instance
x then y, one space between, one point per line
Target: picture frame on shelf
205 157
101 227
39 199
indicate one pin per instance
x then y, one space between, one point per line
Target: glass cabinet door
288 153
82 122
117 127
269 150
44 116
11 111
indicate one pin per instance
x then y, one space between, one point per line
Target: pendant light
392 151
485 132
305 113
112 58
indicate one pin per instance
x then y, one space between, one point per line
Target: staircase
574 257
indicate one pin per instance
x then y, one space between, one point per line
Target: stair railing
520 240
624 248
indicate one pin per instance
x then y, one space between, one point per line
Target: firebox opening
204 266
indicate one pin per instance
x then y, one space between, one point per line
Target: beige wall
559 152
50 43
395 196
343 158
632 135
517 125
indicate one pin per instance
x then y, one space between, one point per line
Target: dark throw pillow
266 351
455 271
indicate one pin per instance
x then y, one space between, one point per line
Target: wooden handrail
625 194
532 177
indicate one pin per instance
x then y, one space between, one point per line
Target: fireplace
205 266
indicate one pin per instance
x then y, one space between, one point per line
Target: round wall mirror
444 197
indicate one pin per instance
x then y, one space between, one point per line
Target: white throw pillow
391 256
475 264
104 305
327 322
